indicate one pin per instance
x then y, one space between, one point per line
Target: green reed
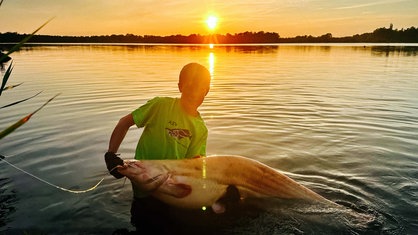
5 57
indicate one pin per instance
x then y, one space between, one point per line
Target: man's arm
118 134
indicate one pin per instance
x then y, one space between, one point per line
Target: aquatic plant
4 58
8 198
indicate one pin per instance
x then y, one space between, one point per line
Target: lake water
339 119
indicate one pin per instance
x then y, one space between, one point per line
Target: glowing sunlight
211 22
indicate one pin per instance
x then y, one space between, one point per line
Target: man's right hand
112 161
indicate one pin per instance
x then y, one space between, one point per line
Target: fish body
198 182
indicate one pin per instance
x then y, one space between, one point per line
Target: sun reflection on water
211 63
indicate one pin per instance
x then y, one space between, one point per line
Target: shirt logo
179 133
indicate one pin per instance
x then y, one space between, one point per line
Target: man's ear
180 87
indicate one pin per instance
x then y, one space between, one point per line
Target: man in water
173 129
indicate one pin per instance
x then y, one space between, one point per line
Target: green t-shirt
169 132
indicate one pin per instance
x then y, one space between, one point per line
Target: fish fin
218 208
178 190
231 197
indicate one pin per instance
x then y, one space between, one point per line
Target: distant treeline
380 35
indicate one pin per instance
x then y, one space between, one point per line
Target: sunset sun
211 22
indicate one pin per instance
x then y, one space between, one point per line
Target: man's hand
112 161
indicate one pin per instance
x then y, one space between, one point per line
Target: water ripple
342 121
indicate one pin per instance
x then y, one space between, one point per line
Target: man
173 129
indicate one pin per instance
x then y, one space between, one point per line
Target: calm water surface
340 119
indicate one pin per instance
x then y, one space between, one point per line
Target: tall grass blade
12 86
20 44
22 121
6 77
20 101
3 59
1 2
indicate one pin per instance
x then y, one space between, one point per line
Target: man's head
194 83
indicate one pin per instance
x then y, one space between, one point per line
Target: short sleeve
144 114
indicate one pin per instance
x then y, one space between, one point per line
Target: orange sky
146 17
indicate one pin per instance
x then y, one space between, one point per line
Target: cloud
370 4
377 3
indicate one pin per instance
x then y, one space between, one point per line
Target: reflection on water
8 199
211 63
395 50
339 119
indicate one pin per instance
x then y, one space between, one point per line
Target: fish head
144 177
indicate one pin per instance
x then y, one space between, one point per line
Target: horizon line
207 35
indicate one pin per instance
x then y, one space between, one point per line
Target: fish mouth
134 164
158 179
154 179
148 183
154 183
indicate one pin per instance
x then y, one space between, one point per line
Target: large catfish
199 182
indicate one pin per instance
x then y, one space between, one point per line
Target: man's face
196 92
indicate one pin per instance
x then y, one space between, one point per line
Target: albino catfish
198 182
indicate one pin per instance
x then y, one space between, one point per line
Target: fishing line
51 184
